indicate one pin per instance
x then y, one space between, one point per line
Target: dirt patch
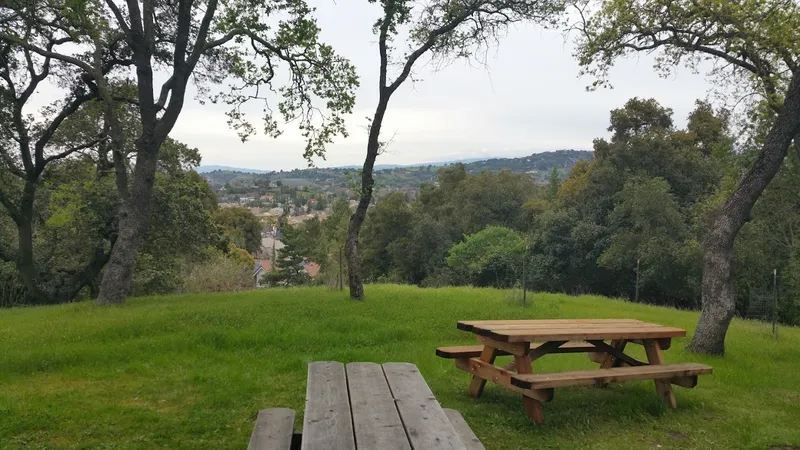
676 434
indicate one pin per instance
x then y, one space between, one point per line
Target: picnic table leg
611 361
533 408
654 356
477 384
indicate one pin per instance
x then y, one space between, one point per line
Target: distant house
311 268
260 270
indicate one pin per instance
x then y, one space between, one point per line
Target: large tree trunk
355 279
719 303
26 264
134 215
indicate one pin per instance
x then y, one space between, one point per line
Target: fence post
775 302
341 274
524 282
636 298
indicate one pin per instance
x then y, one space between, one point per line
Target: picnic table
529 340
365 406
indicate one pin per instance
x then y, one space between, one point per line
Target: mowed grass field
192 371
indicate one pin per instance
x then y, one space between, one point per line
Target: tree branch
416 54
123 25
201 45
384 32
72 150
51 129
47 53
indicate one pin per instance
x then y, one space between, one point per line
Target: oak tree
442 29
760 62
232 50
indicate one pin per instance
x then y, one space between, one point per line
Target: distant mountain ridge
534 162
213 168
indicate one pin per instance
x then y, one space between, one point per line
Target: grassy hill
192 371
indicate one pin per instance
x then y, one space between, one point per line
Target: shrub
219 274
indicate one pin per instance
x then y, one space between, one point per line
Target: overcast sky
529 99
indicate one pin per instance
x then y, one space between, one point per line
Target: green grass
192 371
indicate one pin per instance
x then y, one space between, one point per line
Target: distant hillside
207 169
398 177
539 163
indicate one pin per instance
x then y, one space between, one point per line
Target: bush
219 274
12 291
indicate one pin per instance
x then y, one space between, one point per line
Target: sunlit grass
192 371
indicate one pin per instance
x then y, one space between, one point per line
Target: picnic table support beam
533 407
654 356
477 384
500 376
610 360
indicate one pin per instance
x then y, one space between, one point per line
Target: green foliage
240 226
389 221
490 257
218 272
191 371
290 269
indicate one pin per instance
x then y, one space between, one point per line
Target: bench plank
474 351
273 430
468 438
327 423
613 375
375 418
426 423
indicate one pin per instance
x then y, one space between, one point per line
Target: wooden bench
682 374
365 406
273 430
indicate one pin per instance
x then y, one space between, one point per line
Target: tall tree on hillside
30 144
443 29
245 42
762 60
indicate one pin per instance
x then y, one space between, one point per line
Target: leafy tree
650 234
185 229
388 221
553 183
209 42
491 256
420 255
763 59
241 226
443 29
290 269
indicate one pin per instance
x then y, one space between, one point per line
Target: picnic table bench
529 340
365 406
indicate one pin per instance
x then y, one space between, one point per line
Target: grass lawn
192 371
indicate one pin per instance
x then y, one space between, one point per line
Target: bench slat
468 438
327 422
375 418
613 375
425 421
273 430
474 351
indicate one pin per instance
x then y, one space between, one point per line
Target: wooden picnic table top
568 329
368 406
